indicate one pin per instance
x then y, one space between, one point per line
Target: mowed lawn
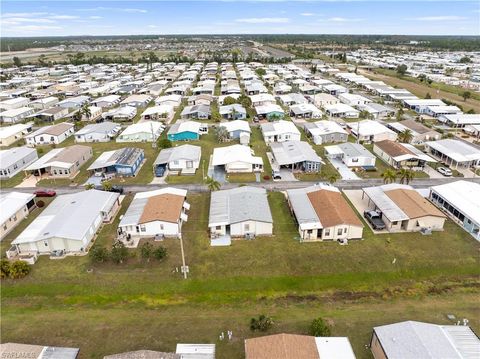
137 305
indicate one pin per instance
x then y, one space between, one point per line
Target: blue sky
63 18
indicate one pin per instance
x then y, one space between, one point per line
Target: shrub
40 204
4 268
159 253
19 269
119 253
262 323
164 143
319 328
146 251
98 254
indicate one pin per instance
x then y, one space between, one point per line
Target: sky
66 18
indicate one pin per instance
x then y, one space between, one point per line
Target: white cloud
23 14
22 20
438 18
34 28
63 17
264 20
344 19
102 8
133 10
152 26
95 17
307 14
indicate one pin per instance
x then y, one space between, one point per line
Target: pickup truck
374 219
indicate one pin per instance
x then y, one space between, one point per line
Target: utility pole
185 268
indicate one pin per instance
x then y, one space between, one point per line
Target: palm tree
212 184
89 186
85 110
222 134
274 117
405 136
107 186
406 175
333 178
389 176
233 112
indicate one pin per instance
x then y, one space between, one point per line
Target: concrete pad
343 170
355 196
30 181
432 173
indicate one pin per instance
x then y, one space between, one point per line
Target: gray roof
304 211
238 205
102 127
12 155
69 216
124 156
355 150
417 340
290 152
183 152
60 353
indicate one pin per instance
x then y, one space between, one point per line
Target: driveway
343 170
432 173
466 172
216 172
287 175
355 196
30 181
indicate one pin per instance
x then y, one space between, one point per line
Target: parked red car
45 193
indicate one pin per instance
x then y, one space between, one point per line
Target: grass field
137 305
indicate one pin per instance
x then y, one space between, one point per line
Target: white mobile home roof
384 203
143 127
8 131
412 340
183 152
457 150
290 152
334 348
12 202
238 205
69 216
12 155
463 195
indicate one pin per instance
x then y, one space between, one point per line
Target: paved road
271 186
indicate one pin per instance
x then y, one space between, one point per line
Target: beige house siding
13 221
376 348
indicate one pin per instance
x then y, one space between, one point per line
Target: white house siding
93 137
136 137
182 164
238 167
13 221
258 228
361 161
150 229
331 233
49 139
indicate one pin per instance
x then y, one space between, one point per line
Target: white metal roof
8 131
384 203
234 153
463 195
334 348
11 203
12 155
289 152
69 216
143 127
236 125
414 340
457 150
369 128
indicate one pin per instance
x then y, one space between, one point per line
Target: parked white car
445 171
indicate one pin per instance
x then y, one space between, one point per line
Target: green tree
245 101
428 96
261 72
466 95
221 134
85 110
159 253
389 176
17 62
19 269
164 143
405 136
107 185
212 184
229 100
262 323
4 268
89 186
98 254
400 113
334 177
402 69
465 60
319 328
405 175
146 251
119 253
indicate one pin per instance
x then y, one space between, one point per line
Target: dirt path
422 90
